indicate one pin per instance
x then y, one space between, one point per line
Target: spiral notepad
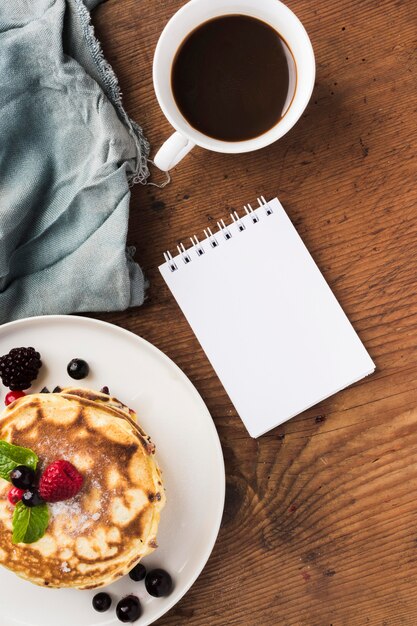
264 315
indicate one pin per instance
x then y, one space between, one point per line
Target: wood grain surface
320 524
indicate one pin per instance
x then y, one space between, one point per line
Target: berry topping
60 481
138 572
102 602
77 368
105 390
15 494
128 609
12 396
158 583
19 368
22 477
31 498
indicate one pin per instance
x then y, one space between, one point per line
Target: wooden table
320 525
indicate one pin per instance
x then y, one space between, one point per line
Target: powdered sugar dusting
68 507
76 516
53 450
73 516
65 568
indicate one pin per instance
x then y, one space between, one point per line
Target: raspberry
60 481
15 494
19 368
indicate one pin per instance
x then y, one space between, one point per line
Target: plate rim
216 439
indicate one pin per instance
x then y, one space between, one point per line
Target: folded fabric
68 152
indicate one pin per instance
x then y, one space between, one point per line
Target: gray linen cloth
68 153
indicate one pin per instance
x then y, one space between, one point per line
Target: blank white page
267 320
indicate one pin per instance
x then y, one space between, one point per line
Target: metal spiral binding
168 258
197 245
223 230
183 253
237 220
211 238
251 213
263 203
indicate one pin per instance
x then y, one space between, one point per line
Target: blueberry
128 609
22 477
158 583
31 498
102 602
77 368
138 572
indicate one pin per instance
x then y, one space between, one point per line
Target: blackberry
19 368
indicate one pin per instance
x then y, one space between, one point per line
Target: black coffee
230 78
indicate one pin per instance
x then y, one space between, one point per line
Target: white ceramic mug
188 18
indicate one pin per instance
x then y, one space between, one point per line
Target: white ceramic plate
188 450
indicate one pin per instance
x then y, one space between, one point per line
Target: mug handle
172 151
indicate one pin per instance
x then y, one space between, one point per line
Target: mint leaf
21 518
29 523
11 456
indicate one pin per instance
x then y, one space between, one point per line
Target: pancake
105 530
100 397
106 399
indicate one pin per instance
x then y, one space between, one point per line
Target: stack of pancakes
105 530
